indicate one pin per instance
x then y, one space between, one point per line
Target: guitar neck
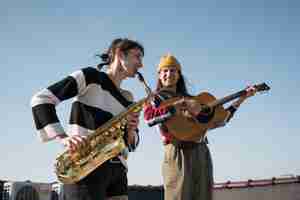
227 99
259 88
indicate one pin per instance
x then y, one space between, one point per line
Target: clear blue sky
222 45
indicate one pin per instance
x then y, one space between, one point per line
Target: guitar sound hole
206 117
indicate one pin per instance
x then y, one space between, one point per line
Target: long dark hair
123 44
181 88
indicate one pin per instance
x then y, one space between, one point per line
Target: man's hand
132 125
73 143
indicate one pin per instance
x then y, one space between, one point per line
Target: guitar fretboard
227 99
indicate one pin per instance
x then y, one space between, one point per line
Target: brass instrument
105 143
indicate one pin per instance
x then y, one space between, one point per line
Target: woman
98 97
187 167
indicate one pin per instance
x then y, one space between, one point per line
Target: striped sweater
95 101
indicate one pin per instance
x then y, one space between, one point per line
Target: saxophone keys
123 121
93 143
98 139
137 109
118 125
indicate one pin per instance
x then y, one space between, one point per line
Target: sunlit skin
168 77
123 66
132 62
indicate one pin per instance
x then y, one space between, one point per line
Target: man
187 167
98 97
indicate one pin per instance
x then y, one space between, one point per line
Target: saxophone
105 143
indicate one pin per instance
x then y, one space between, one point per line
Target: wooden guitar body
187 128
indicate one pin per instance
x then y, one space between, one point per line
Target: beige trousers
187 173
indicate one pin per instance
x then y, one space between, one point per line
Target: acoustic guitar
186 128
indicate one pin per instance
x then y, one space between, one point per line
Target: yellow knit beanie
167 61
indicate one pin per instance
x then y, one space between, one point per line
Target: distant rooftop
236 184
276 188
258 182
228 184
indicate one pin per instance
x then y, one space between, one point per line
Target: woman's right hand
74 142
187 104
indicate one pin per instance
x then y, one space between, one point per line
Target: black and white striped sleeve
44 102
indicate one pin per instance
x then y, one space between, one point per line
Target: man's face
132 61
169 76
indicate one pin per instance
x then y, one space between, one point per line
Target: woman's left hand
251 90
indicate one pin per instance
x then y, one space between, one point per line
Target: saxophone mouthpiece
140 77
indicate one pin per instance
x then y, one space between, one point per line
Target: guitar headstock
263 87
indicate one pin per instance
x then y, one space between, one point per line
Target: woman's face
169 76
132 61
